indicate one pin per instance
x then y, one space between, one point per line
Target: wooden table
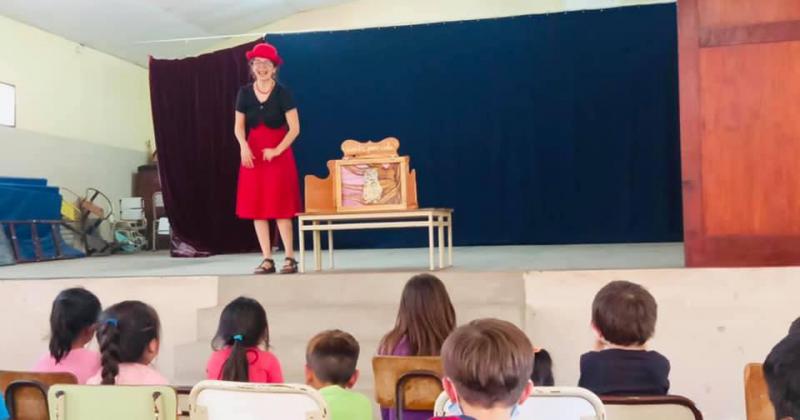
431 218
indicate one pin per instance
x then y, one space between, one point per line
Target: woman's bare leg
262 231
287 235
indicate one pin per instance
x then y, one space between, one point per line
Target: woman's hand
247 156
270 154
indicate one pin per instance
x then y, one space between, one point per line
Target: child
782 374
331 358
487 368
425 318
73 321
624 319
237 356
128 334
542 368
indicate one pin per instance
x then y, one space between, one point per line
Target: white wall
378 13
83 117
711 323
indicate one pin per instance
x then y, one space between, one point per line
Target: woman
266 125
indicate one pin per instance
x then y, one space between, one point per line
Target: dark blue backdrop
544 129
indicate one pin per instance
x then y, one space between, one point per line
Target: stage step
299 306
369 288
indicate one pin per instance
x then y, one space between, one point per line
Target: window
8 105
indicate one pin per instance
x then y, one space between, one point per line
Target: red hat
264 50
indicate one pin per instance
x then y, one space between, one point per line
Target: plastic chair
756 395
547 403
26 392
118 402
669 407
221 400
410 383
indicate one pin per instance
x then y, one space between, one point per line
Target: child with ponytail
128 333
73 320
241 345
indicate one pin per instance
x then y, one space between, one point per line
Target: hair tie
112 321
238 337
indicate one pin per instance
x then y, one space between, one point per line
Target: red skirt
270 189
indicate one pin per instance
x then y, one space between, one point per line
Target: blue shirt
3 411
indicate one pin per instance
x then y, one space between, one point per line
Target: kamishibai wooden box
371 176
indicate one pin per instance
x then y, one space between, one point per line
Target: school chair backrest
414 381
26 392
118 402
546 403
669 407
756 395
221 400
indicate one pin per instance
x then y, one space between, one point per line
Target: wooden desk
441 219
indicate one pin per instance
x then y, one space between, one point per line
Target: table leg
441 241
317 248
450 239
302 243
430 242
330 246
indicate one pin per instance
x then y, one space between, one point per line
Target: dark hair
333 356
125 331
782 374
242 325
74 310
795 327
542 369
425 317
489 361
625 313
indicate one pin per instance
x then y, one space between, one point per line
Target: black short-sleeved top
272 112
625 372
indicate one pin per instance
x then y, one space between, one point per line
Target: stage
471 259
547 290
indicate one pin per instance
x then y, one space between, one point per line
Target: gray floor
492 258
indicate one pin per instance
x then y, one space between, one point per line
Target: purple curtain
193 109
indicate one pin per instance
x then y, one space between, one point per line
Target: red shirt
264 366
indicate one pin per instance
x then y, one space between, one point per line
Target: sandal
269 269
290 266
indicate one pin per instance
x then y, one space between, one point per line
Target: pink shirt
264 366
133 374
83 363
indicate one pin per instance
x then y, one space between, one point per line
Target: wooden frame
738 149
401 162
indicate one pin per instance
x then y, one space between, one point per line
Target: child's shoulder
462 417
264 357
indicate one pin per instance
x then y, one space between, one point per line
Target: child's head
242 325
487 365
425 317
624 313
782 374
72 321
331 358
795 327
128 332
542 368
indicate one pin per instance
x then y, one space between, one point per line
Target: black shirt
625 372
272 112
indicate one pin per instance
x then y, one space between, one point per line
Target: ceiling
119 27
